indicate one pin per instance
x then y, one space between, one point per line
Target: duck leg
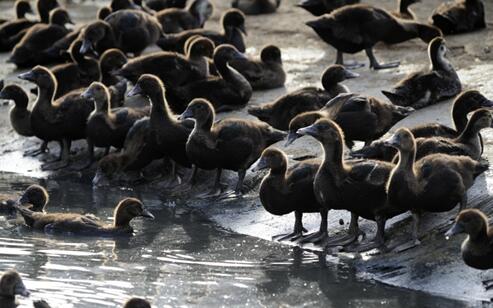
237 193
90 156
374 62
377 242
340 61
64 157
322 234
415 240
42 149
217 189
193 177
488 284
353 233
297 231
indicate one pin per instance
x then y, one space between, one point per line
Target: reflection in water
179 259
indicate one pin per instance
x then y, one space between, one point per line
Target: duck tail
396 99
260 112
481 167
275 135
167 43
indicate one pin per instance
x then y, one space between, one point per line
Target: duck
358 186
44 8
172 68
228 91
466 144
286 189
465 103
403 11
136 302
266 73
131 31
108 127
109 63
233 23
28 51
314 7
139 150
63 120
427 87
281 111
11 284
159 5
171 133
10 28
79 224
256 7
362 118
176 20
459 16
20 116
435 183
358 27
231 144
477 248
103 12
35 197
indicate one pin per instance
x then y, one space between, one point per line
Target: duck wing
77 225
369 172
428 146
433 130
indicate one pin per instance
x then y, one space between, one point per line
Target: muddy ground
433 267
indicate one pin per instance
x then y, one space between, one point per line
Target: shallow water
179 259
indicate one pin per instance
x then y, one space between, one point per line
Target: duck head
234 19
107 167
99 94
22 7
44 8
336 73
11 285
128 209
298 122
35 195
225 53
428 32
39 75
137 303
271 54
202 10
15 93
112 60
199 46
147 85
92 34
471 221
325 131
60 17
481 119
103 12
402 140
201 111
272 159
473 99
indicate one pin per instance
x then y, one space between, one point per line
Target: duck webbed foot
488 284
297 231
415 241
353 234
321 235
377 243
349 65
377 66
35 152
62 161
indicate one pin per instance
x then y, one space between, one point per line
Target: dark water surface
179 259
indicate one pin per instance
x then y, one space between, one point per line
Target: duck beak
147 214
351 75
3 95
292 136
392 142
187 114
100 179
87 94
23 200
86 47
456 229
260 164
29 76
404 111
21 289
136 90
487 103
239 56
243 29
309 130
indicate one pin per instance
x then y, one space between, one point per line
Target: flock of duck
178 92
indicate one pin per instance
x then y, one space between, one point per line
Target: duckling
356 186
467 143
172 68
267 73
232 144
103 12
137 303
171 134
435 183
256 7
360 117
110 62
106 127
39 37
131 31
62 120
79 224
465 103
358 27
404 12
459 16
427 87
229 91
159 5
233 23
280 112
11 28
20 116
314 7
11 285
139 150
175 20
35 197
287 189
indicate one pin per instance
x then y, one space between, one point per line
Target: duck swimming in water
137 303
256 7
435 183
459 16
175 20
427 87
79 224
465 103
266 73
280 112
11 284
232 144
287 189
35 197
358 27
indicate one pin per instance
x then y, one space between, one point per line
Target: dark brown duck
256 7
176 20
11 28
459 16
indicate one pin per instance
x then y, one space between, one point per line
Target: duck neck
232 76
440 62
333 160
21 101
46 95
459 116
19 12
469 133
121 221
235 37
406 160
404 7
160 109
